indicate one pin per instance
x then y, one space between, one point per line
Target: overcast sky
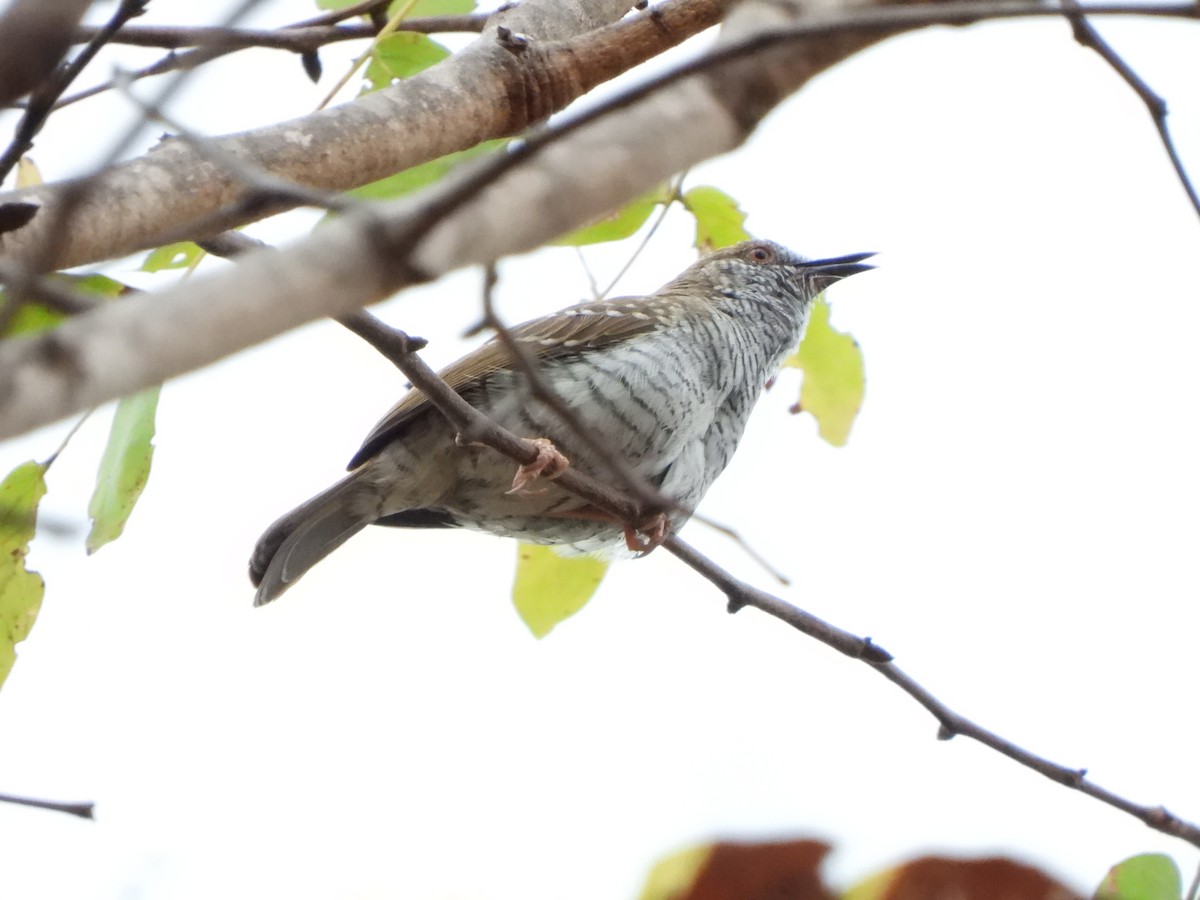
1015 518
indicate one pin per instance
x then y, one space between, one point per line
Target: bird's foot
648 535
549 463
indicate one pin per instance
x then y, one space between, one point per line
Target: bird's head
769 270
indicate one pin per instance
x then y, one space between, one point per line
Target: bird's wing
585 326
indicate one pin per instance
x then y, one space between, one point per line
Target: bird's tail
306 535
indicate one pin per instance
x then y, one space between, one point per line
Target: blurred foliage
1150 876
20 589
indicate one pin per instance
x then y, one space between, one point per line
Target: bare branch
83 810
297 38
571 173
478 428
480 93
650 500
213 43
1087 36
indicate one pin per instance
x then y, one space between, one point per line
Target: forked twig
478 428
1088 37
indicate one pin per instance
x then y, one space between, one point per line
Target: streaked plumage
668 380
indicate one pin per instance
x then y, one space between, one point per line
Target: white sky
1015 518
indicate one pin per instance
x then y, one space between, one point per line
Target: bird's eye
760 254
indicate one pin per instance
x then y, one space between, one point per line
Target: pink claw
549 463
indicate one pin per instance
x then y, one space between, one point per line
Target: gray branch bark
369 254
483 92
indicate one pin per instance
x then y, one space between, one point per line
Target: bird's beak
825 272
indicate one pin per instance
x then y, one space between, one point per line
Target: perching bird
667 380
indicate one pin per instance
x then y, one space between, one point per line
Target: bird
666 380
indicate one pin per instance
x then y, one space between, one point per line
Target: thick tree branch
482 92
571 173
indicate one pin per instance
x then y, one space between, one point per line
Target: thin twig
59 216
393 344
265 188
454 193
1194 890
658 220
651 500
1087 36
298 38
735 536
475 427
587 271
83 810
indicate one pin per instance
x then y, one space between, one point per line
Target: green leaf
619 224
673 876
30 318
549 588
834 379
124 468
1150 876
719 220
181 255
423 175
97 285
400 55
423 9
20 590
34 317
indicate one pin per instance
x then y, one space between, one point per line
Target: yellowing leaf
27 173
400 55
673 876
834 380
1150 876
549 588
619 224
718 219
124 468
20 590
